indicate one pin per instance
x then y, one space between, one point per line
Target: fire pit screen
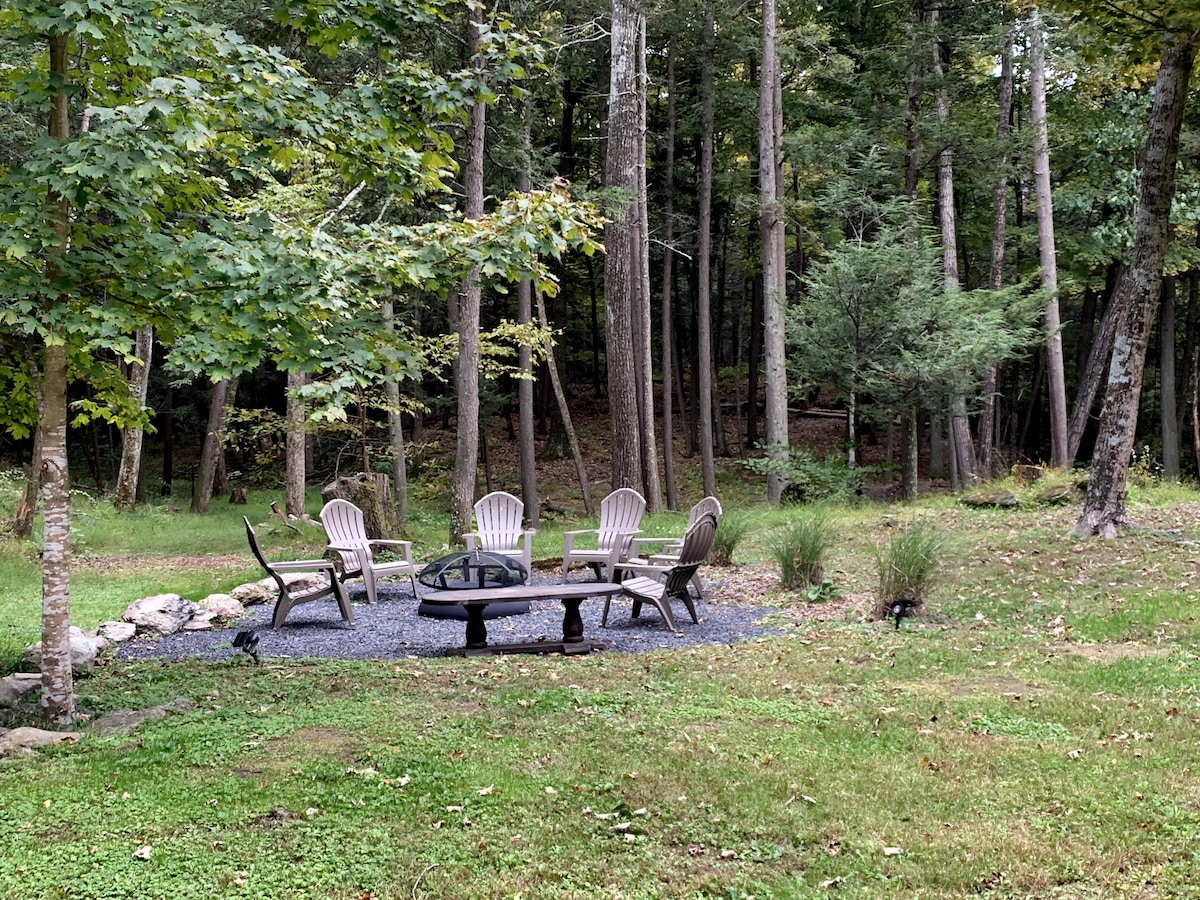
470 569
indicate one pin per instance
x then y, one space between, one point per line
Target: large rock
22 738
16 686
222 606
116 632
84 650
160 615
123 720
996 497
266 591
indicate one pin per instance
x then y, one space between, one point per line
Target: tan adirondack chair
348 541
290 596
498 523
620 517
668 548
648 584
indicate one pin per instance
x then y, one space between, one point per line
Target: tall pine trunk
529 491
295 471
211 449
1166 369
668 366
704 259
1136 296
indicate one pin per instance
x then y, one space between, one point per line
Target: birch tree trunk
704 402
1055 370
296 472
621 258
466 457
58 690
125 496
774 260
1136 295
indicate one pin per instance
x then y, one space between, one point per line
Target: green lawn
1032 734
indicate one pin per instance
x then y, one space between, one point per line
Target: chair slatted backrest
620 512
707 505
498 517
344 524
696 544
262 560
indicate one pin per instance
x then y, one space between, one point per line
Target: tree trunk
704 401
1170 421
621 259
220 482
1055 368
1137 291
203 491
912 451
668 368
529 491
58 689
125 496
1089 381
370 492
962 444
565 412
296 473
987 416
774 261
466 457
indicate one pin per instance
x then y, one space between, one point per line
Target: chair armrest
643 569
302 565
665 541
581 531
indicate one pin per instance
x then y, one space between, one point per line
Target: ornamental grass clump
799 549
733 528
907 568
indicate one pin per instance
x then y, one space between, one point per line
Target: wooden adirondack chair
498 520
620 515
289 596
344 527
668 552
649 586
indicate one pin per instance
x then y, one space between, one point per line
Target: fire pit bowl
471 570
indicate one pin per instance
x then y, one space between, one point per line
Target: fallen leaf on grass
143 852
892 851
483 792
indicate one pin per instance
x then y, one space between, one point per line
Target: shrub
907 566
730 533
808 479
799 549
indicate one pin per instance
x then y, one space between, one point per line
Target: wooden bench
475 600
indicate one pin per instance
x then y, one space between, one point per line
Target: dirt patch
1108 653
1001 686
282 754
132 565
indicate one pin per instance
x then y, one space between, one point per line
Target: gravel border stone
391 629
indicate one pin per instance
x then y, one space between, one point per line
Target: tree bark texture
1167 383
58 690
774 260
987 415
1137 291
1055 366
296 473
704 402
125 496
370 492
621 259
203 492
525 434
668 367
466 456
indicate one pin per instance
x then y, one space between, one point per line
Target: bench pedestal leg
476 630
572 620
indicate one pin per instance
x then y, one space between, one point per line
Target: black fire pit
472 570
